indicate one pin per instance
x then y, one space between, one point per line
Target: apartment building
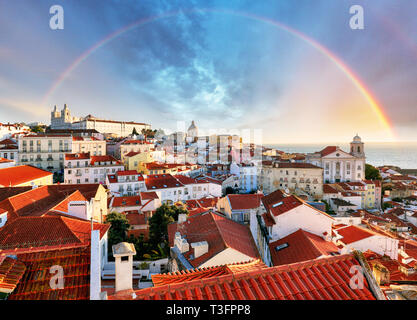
125 183
292 176
92 145
44 151
81 168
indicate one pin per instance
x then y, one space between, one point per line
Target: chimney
200 248
123 253
181 243
182 217
95 266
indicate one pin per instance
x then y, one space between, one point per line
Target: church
338 165
64 120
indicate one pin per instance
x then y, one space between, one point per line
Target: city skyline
236 65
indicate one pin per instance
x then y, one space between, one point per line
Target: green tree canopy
118 228
372 173
158 224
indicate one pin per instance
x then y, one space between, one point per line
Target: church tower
357 147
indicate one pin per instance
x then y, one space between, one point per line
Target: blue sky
220 68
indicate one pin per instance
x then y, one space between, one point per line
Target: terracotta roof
126 201
7 142
296 165
105 158
63 205
3 160
329 189
151 195
208 202
244 201
301 246
322 279
11 271
205 273
328 150
131 154
77 156
161 181
278 203
220 233
136 218
195 211
47 231
184 179
352 234
7 192
34 284
13 176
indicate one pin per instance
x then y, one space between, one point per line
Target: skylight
281 246
277 204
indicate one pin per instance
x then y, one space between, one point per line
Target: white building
338 165
92 145
44 151
64 120
248 176
8 130
357 238
83 168
9 149
125 183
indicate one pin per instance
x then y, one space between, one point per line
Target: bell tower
357 147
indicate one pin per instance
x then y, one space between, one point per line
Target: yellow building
21 176
133 160
292 176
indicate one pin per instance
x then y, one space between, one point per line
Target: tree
230 190
118 228
134 132
372 173
37 129
158 223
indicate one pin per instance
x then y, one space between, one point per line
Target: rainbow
350 74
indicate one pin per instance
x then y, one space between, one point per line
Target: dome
357 138
192 126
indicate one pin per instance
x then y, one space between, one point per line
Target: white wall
302 217
226 256
379 244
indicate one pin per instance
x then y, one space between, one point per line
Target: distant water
403 155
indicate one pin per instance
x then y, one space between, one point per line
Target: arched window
359 149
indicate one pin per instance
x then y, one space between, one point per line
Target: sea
403 155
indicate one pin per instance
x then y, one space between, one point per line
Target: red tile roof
245 201
278 203
34 284
105 158
136 218
47 231
184 179
302 246
322 279
328 150
208 202
14 176
329 189
352 234
63 205
3 160
296 165
77 156
151 195
161 181
11 271
126 201
205 273
220 233
7 142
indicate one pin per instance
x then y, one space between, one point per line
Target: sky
229 65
